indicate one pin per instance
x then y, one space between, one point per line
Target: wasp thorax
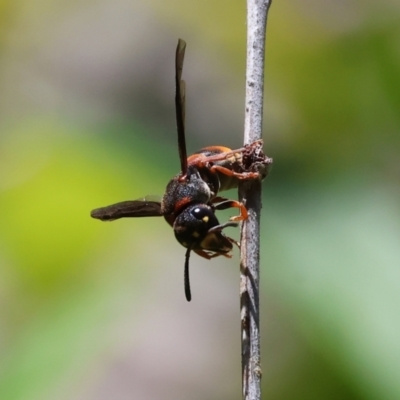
179 194
192 224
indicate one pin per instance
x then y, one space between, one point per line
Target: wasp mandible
190 199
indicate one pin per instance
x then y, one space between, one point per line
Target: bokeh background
97 311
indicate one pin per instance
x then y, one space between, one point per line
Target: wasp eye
204 213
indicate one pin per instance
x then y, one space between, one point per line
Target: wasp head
197 228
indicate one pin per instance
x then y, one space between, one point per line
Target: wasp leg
209 256
243 176
225 204
219 228
223 226
233 241
218 199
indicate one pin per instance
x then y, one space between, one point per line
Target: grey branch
250 194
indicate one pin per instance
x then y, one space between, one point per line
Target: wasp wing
128 209
180 103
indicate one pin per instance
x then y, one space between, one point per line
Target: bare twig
250 193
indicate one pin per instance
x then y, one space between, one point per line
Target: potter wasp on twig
190 199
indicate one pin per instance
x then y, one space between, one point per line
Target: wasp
190 199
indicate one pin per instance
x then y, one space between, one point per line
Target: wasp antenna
180 103
186 276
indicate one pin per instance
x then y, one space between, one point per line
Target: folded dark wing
128 209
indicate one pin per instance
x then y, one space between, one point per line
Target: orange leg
225 204
243 176
209 256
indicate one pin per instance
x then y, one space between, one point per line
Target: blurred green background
97 311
